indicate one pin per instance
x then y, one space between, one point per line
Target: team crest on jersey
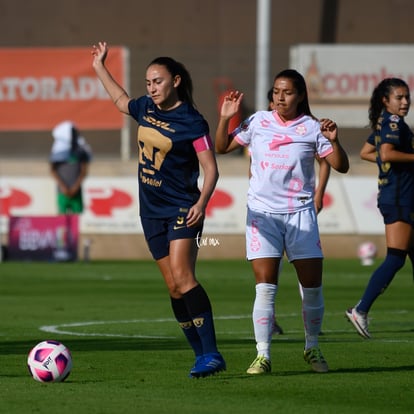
394 118
301 129
393 126
244 126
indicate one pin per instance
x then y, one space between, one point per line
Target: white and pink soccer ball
367 252
49 361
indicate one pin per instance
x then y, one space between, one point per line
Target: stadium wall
110 229
216 41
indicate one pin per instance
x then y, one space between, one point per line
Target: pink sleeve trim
327 152
239 141
203 143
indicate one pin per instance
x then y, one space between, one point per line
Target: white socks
263 317
312 313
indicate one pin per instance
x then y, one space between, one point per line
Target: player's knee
395 258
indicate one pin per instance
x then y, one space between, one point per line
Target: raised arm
224 142
118 95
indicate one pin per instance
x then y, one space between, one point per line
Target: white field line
64 329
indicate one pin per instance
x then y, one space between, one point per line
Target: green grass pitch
129 355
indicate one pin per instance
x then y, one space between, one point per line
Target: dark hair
270 95
269 98
382 90
300 85
185 88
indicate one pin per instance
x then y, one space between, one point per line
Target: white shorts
270 235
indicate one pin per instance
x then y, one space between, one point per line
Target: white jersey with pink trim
282 160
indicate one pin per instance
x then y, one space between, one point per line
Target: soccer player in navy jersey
394 155
173 141
368 153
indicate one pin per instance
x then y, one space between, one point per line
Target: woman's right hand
231 104
99 53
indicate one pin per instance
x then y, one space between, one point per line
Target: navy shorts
159 232
392 214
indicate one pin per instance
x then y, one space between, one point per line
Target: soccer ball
49 361
367 252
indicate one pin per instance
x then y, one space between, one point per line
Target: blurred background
217 40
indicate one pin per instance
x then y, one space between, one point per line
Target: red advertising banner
49 238
40 87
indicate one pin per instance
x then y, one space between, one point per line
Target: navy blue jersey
168 167
371 139
395 179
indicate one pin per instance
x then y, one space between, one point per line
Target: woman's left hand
329 129
195 216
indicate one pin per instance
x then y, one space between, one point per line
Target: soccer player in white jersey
323 177
281 215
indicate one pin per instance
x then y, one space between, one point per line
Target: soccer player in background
173 141
368 153
69 160
281 215
392 140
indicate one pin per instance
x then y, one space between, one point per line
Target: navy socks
381 278
194 314
187 326
199 308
